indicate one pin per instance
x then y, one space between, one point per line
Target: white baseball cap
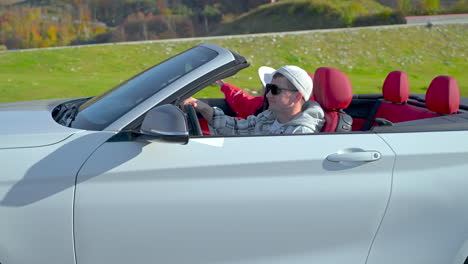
265 74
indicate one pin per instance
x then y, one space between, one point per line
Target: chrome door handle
360 156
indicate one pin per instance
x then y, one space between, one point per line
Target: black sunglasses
275 89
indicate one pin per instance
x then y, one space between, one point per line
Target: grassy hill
365 55
289 15
9 2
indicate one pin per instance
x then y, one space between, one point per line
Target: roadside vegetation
365 55
427 7
50 23
311 14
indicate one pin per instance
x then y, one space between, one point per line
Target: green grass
365 55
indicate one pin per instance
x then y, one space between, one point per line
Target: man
289 110
242 103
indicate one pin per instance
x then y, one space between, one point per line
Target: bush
3 47
383 18
429 6
288 15
460 7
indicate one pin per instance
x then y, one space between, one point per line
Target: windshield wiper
66 115
70 115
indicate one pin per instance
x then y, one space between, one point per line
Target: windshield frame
221 65
103 110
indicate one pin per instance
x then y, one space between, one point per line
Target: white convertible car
128 177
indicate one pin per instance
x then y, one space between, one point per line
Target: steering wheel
193 120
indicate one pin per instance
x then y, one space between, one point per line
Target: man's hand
202 107
191 101
220 83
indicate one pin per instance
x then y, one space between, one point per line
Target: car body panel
30 124
37 188
425 221
213 201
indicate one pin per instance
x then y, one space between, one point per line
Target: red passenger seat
333 91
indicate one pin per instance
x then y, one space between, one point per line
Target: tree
182 10
52 34
210 12
430 6
404 6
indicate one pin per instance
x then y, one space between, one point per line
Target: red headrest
395 88
332 89
443 95
312 98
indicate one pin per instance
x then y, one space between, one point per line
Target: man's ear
298 97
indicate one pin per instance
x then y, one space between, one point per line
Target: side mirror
165 123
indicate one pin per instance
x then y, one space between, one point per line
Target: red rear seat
395 91
442 97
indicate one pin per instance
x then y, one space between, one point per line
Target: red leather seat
312 98
396 93
333 91
396 88
443 95
204 126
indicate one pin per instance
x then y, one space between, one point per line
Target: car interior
395 110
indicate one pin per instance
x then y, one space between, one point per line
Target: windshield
101 111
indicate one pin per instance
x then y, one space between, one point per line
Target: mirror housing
165 123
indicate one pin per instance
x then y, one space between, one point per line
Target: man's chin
273 109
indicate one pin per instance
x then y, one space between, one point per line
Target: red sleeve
242 103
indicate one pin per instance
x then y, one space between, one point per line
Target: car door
426 221
263 199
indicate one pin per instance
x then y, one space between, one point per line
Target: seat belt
370 117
